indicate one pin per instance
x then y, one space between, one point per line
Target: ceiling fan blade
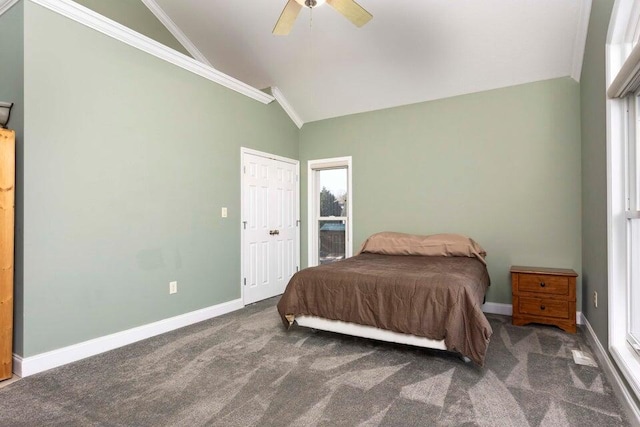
287 18
352 11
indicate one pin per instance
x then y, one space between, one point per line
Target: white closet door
269 226
284 223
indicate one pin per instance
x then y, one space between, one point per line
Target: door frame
243 152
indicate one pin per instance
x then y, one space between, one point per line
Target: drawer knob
542 307
542 284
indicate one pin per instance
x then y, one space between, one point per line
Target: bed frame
348 328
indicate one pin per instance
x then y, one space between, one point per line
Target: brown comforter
434 297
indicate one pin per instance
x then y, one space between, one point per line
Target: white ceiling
411 51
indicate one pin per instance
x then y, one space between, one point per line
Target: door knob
274 232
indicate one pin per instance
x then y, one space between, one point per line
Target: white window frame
632 204
312 185
622 36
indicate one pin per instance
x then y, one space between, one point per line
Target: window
330 233
632 219
623 168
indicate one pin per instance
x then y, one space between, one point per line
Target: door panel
256 231
285 223
270 213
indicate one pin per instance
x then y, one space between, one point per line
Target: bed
418 290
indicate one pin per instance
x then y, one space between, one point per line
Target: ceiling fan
349 8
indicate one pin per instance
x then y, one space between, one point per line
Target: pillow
391 243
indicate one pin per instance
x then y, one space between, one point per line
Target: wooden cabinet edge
7 223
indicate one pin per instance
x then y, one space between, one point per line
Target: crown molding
112 29
277 94
162 16
580 42
6 5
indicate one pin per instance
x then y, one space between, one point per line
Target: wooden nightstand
544 295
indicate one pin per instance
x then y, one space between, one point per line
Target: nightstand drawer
544 307
542 283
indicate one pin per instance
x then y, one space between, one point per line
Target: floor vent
582 358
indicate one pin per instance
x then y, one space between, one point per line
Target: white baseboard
497 308
17 364
507 310
581 319
619 387
27 366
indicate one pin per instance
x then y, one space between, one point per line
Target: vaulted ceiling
411 51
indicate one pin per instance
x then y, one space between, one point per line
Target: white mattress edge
370 332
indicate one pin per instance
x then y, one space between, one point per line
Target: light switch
224 212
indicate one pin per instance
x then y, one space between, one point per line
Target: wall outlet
595 299
224 212
173 287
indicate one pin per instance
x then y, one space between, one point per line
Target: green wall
594 170
135 15
501 166
128 161
12 90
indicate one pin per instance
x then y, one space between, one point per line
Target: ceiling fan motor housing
309 3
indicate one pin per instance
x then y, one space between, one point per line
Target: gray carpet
244 369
